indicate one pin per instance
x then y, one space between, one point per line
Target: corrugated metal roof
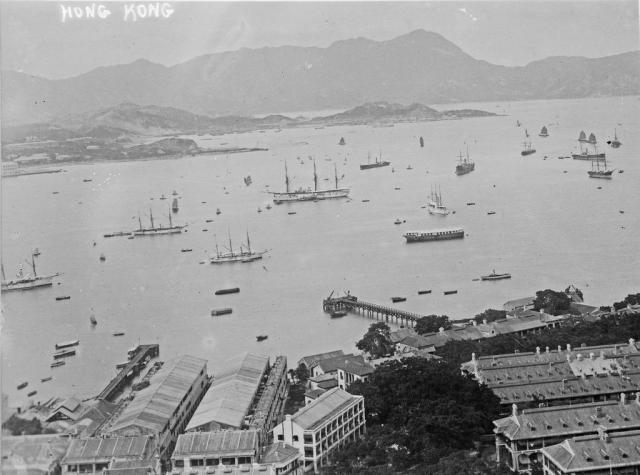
326 406
229 398
154 405
99 448
217 443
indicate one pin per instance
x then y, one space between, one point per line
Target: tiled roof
311 360
279 453
229 398
593 452
325 407
355 366
569 420
153 406
217 443
315 393
519 302
96 449
331 365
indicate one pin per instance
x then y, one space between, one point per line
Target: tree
302 373
377 341
431 324
490 315
551 302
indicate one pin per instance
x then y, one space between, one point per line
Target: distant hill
419 67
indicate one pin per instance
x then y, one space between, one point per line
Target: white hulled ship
28 281
244 255
302 194
435 205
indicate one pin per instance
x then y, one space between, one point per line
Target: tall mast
170 223
286 177
140 221
230 246
151 216
315 176
335 171
248 242
3 276
467 152
33 265
215 238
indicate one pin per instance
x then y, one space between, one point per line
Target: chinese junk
435 235
28 281
307 194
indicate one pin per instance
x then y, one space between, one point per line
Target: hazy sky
36 41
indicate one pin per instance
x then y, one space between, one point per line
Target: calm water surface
550 229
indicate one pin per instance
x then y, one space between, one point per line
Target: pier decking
351 303
131 369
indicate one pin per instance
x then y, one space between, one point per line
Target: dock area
135 365
350 303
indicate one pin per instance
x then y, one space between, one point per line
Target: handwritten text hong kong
130 11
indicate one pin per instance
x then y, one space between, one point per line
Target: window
280 437
196 462
228 461
212 462
295 438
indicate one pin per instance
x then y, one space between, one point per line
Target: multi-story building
521 436
327 423
353 369
585 374
163 408
230 451
227 403
310 361
601 454
269 408
95 454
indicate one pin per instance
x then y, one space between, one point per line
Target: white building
329 422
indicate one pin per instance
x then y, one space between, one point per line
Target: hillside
419 67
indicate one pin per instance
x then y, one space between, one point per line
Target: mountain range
417 67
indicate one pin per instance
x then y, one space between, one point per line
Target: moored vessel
597 172
28 281
262 337
543 132
615 143
435 205
582 137
586 155
221 311
464 165
244 255
157 230
308 194
377 164
174 205
67 344
528 149
434 235
494 276
63 353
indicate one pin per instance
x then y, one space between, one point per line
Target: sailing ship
153 230
308 194
543 132
585 155
597 172
435 205
36 252
378 163
244 255
247 180
465 165
528 150
92 318
518 124
421 142
592 139
615 143
342 142
526 133
28 281
174 205
582 137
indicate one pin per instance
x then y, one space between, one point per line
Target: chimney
623 399
474 323
638 398
559 348
537 350
441 330
602 433
547 350
569 358
592 355
579 356
568 348
473 357
602 354
514 410
599 412
632 342
484 321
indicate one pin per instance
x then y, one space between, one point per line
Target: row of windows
212 462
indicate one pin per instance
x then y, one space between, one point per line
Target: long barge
434 235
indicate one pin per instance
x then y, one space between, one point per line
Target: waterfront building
571 376
329 422
223 451
269 408
521 436
517 305
228 401
352 369
407 340
163 408
311 360
605 453
33 454
82 419
330 365
318 385
9 168
95 454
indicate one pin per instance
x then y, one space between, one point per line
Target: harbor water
553 226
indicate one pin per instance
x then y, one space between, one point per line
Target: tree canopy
377 341
490 315
431 324
552 302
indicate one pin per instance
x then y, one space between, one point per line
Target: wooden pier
350 303
130 371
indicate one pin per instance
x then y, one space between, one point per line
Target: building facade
327 423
